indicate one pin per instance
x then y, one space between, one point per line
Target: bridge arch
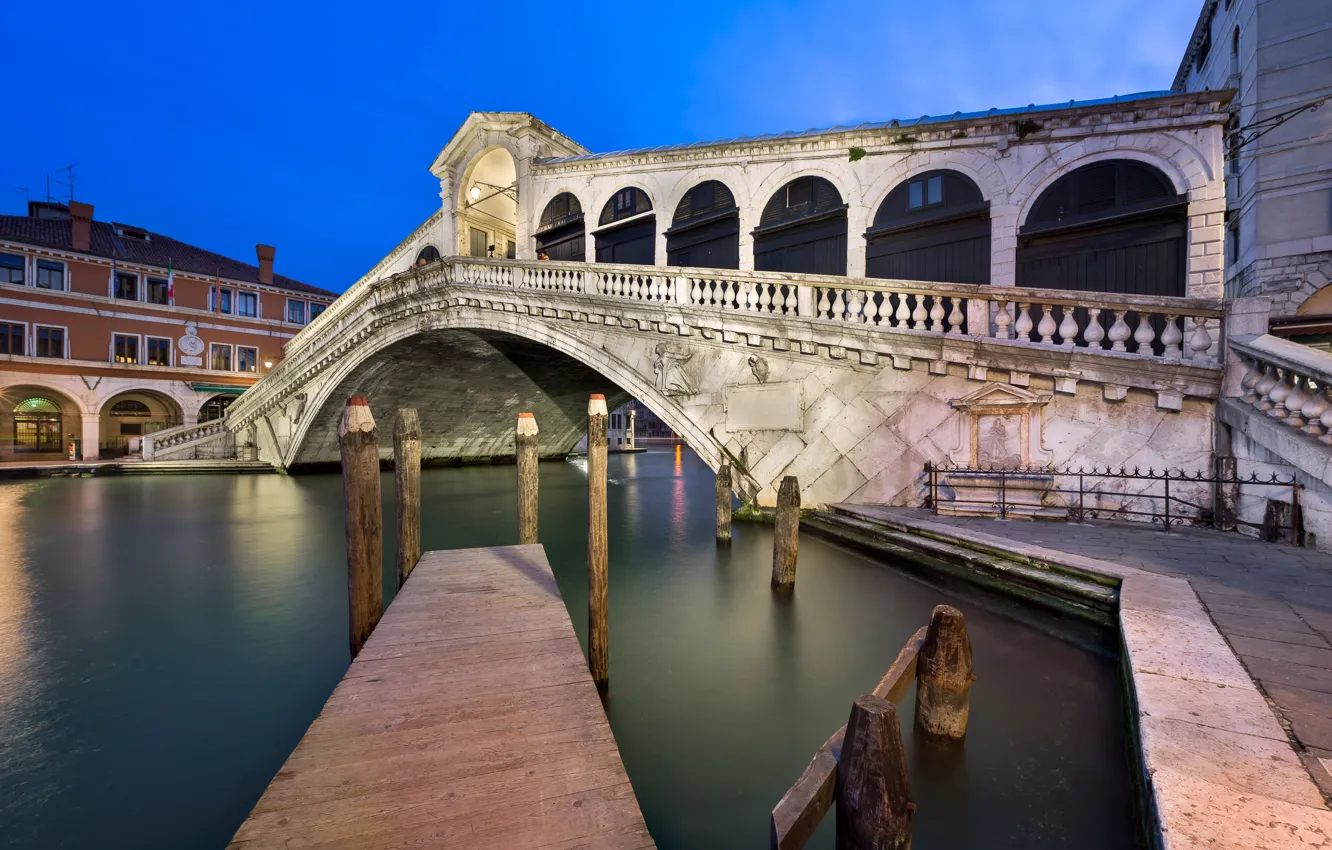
361 373
486 201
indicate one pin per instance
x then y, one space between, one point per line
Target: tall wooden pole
598 637
407 488
943 675
525 449
724 503
359 444
874 807
785 534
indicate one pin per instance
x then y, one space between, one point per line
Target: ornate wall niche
999 426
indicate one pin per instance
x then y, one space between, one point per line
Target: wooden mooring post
873 793
359 445
598 637
785 534
407 489
943 676
724 503
525 452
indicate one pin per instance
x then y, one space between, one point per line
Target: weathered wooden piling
874 807
785 538
724 503
525 450
598 636
359 445
407 488
943 675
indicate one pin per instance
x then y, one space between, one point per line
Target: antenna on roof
68 183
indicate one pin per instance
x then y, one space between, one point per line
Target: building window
925 193
316 309
159 351
247 359
1234 242
212 300
247 304
50 342
221 357
477 242
11 268
12 335
296 312
215 407
127 286
158 291
510 249
125 348
50 275
1206 46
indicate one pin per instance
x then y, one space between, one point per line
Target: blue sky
312 128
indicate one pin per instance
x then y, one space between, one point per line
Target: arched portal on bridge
933 226
561 235
803 229
488 206
705 230
627 229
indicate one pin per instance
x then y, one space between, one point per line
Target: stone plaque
999 440
764 407
191 361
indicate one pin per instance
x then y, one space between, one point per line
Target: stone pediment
1000 395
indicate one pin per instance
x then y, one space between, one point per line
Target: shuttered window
624 204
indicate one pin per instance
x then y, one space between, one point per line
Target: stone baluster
919 315
1023 324
824 305
751 296
1068 327
1264 386
1094 333
1325 422
838 306
937 314
853 305
1200 341
1119 332
1171 338
1046 327
955 316
1254 371
765 297
1313 410
1145 334
792 300
1299 394
695 293
1277 395
871 307
903 314
1002 319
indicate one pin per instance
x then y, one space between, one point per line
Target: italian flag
171 285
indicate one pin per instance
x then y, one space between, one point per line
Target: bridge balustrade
1169 329
1288 382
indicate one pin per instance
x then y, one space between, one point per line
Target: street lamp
475 192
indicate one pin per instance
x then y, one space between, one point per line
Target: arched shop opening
427 255
38 426
216 407
1116 226
705 230
802 230
488 209
934 226
560 235
129 416
37 422
627 229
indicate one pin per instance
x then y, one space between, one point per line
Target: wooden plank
803 806
469 719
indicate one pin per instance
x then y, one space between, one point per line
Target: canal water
165 641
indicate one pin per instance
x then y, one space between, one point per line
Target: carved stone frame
1001 400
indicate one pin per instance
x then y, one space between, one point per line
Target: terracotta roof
156 250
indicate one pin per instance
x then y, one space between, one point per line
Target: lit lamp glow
268 364
475 192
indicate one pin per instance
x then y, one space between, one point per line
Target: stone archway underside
469 387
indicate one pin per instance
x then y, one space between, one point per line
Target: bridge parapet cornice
1169 345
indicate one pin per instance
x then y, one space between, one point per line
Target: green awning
229 389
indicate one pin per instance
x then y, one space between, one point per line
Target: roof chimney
265 253
80 215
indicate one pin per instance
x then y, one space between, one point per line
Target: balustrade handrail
1309 362
186 433
1202 307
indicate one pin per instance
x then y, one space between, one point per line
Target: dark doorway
1116 226
215 407
560 234
802 230
38 426
934 226
705 230
627 233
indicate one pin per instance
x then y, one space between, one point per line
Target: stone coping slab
1219 769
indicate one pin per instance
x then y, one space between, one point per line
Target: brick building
109 331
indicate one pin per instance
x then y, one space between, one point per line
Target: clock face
191 345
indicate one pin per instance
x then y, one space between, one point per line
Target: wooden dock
469 720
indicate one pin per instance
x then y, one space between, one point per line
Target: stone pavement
1272 602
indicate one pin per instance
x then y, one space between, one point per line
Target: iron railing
1010 491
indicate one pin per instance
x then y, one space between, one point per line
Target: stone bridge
850 384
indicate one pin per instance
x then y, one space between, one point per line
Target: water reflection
165 642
